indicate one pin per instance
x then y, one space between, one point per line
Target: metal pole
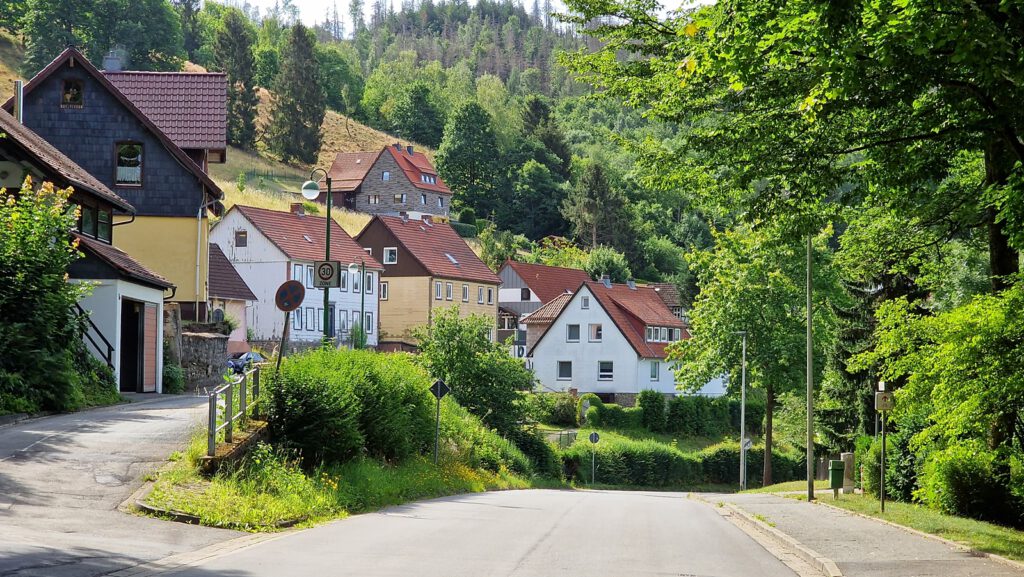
743 416
230 416
437 428
810 380
593 465
881 475
211 431
362 300
327 257
284 334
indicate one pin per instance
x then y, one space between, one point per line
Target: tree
536 199
467 158
416 118
593 208
11 14
299 104
753 281
338 66
355 11
233 49
606 261
188 11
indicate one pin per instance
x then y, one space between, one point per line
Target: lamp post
743 414
310 191
361 268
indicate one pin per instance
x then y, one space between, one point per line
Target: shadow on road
83 562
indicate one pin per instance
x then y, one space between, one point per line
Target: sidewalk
862 547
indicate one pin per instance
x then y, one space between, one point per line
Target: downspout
199 247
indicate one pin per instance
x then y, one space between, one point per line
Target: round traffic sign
325 271
289 295
594 437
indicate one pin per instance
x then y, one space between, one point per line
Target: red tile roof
416 164
225 282
121 261
548 282
432 243
349 170
289 232
44 153
549 312
190 107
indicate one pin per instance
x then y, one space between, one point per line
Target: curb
953 544
826 566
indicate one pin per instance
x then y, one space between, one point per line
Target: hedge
464 230
609 415
698 416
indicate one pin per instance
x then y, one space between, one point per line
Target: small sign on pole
594 438
327 274
439 389
289 296
884 403
747 444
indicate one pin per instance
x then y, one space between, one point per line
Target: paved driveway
63 477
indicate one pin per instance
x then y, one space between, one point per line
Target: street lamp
361 269
743 414
310 191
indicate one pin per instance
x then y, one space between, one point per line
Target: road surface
63 477
533 533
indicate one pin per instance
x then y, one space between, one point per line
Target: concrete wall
204 358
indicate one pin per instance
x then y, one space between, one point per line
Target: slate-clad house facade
525 288
73 106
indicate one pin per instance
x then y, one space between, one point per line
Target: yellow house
427 267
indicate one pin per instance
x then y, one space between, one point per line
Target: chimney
409 148
631 284
19 98
398 146
114 61
606 281
298 209
404 215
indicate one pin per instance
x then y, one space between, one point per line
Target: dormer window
428 179
71 94
129 164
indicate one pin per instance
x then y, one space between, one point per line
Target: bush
468 216
465 439
623 461
652 410
551 408
960 481
699 416
608 415
721 464
463 229
174 378
542 454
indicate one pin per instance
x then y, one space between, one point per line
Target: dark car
239 362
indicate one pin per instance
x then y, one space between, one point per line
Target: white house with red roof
526 287
605 338
269 247
397 179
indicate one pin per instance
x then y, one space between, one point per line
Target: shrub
464 230
621 461
174 378
551 408
609 415
468 216
960 481
721 464
542 454
652 410
465 439
699 416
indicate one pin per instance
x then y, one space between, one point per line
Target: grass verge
684 444
788 487
270 488
974 534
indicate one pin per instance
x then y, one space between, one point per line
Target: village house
125 305
230 298
148 137
390 181
427 267
269 247
604 338
525 288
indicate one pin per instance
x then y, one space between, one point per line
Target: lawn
975 534
789 487
684 444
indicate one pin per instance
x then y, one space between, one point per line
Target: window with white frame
297 272
344 281
655 369
465 293
310 319
565 370
391 255
509 323
480 295
440 202
319 320
369 323
355 320
129 164
373 199
605 371
386 175
369 283
572 333
490 296
596 332
437 290
383 290
309 276
584 303
369 250
297 320
355 282
400 198
448 291
423 198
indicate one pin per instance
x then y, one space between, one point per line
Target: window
241 238
344 281
369 323
595 332
71 94
480 295
383 291
664 334
310 319
448 291
452 259
572 333
355 282
423 198
386 175
87 221
309 276
437 290
373 199
297 272
297 320
654 370
584 303
648 336
428 179
103 226
465 293
490 296
605 371
509 323
369 250
391 255
355 320
368 283
400 198
319 320
129 164
677 334
565 370
440 202
524 294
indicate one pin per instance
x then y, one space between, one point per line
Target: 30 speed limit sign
326 274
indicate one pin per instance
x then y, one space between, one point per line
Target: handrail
230 415
109 356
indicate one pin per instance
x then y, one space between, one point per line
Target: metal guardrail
246 402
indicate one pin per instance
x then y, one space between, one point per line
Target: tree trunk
768 410
1003 259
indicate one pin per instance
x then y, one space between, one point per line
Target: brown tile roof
432 243
174 149
225 283
548 281
547 313
45 154
122 262
349 170
289 232
416 164
669 293
191 108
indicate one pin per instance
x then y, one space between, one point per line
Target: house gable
376 236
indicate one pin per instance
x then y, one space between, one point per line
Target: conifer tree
299 101
233 48
467 158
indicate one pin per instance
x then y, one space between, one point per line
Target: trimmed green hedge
698 416
464 230
609 415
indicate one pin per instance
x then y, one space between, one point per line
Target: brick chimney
298 209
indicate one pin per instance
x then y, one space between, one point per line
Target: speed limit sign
326 274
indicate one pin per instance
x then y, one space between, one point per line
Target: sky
313 11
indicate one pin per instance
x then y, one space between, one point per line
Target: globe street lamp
311 191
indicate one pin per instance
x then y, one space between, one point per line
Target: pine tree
188 10
233 49
467 158
416 117
355 11
594 208
299 103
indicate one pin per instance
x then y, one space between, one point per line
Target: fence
222 417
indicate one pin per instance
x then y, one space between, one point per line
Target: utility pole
810 378
743 415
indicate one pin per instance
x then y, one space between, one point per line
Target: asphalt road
63 477
514 533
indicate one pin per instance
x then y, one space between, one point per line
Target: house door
149 348
131 346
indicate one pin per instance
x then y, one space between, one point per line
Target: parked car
240 362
